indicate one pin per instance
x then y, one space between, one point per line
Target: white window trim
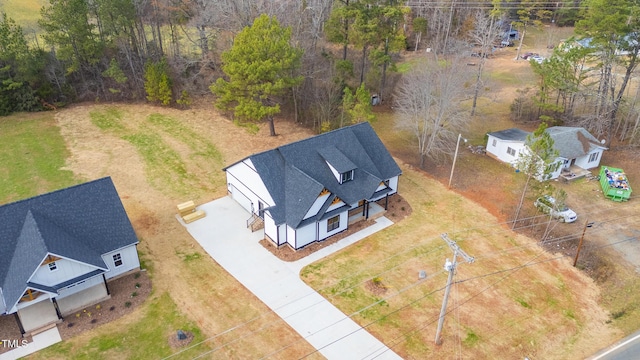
115 262
53 266
332 224
511 150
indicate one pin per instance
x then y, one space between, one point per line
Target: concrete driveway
223 234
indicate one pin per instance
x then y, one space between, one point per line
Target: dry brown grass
203 291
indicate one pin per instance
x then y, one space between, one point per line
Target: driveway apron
224 235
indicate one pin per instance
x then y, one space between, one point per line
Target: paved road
626 349
223 234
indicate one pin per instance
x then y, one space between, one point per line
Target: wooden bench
191 217
186 208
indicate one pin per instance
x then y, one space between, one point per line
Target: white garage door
238 196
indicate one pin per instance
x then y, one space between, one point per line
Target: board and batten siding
244 178
65 270
322 226
3 306
130 261
306 235
317 205
583 161
270 228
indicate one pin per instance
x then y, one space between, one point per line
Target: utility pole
453 166
450 267
584 229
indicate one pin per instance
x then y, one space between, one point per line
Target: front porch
369 210
573 173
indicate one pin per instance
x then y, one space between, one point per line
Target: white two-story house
306 191
60 249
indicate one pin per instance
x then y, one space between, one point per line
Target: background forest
339 53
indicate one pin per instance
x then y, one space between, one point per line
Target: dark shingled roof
513 134
294 174
572 142
81 222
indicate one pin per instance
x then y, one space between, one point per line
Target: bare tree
485 33
427 104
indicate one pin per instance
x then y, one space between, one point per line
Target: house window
346 176
494 143
333 223
593 157
511 151
117 259
53 266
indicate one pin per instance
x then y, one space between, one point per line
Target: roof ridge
56 191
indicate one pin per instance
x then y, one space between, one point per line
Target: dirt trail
200 288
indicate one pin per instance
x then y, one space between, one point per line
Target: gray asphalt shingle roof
81 222
572 142
513 134
296 173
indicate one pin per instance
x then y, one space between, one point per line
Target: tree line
331 56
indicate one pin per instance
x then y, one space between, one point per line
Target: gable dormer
341 167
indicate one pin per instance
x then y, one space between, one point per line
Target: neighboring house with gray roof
575 146
60 249
311 189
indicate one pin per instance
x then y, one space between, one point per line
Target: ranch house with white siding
311 189
576 147
60 249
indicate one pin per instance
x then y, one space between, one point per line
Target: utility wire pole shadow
449 266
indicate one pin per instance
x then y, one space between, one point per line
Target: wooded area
167 51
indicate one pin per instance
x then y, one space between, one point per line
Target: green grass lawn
146 338
33 155
25 12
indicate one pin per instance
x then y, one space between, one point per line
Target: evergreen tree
157 82
259 66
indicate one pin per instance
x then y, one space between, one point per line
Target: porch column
19 323
104 279
366 205
55 306
386 201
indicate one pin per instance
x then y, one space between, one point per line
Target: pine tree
259 66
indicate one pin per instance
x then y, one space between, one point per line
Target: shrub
127 304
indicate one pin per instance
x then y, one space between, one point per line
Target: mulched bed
397 209
127 293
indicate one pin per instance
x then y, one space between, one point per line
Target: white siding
3 306
500 149
335 172
306 235
291 236
313 210
282 231
243 177
130 261
584 163
70 290
393 183
66 270
322 226
335 206
270 228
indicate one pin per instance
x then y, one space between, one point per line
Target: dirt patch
398 208
127 293
376 287
175 341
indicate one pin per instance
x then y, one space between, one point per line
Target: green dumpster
614 183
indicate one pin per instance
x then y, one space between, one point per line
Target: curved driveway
223 234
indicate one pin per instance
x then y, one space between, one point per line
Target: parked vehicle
549 205
527 55
537 58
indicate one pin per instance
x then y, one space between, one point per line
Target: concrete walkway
40 341
223 234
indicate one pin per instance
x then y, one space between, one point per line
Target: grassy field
33 157
513 299
142 335
25 12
